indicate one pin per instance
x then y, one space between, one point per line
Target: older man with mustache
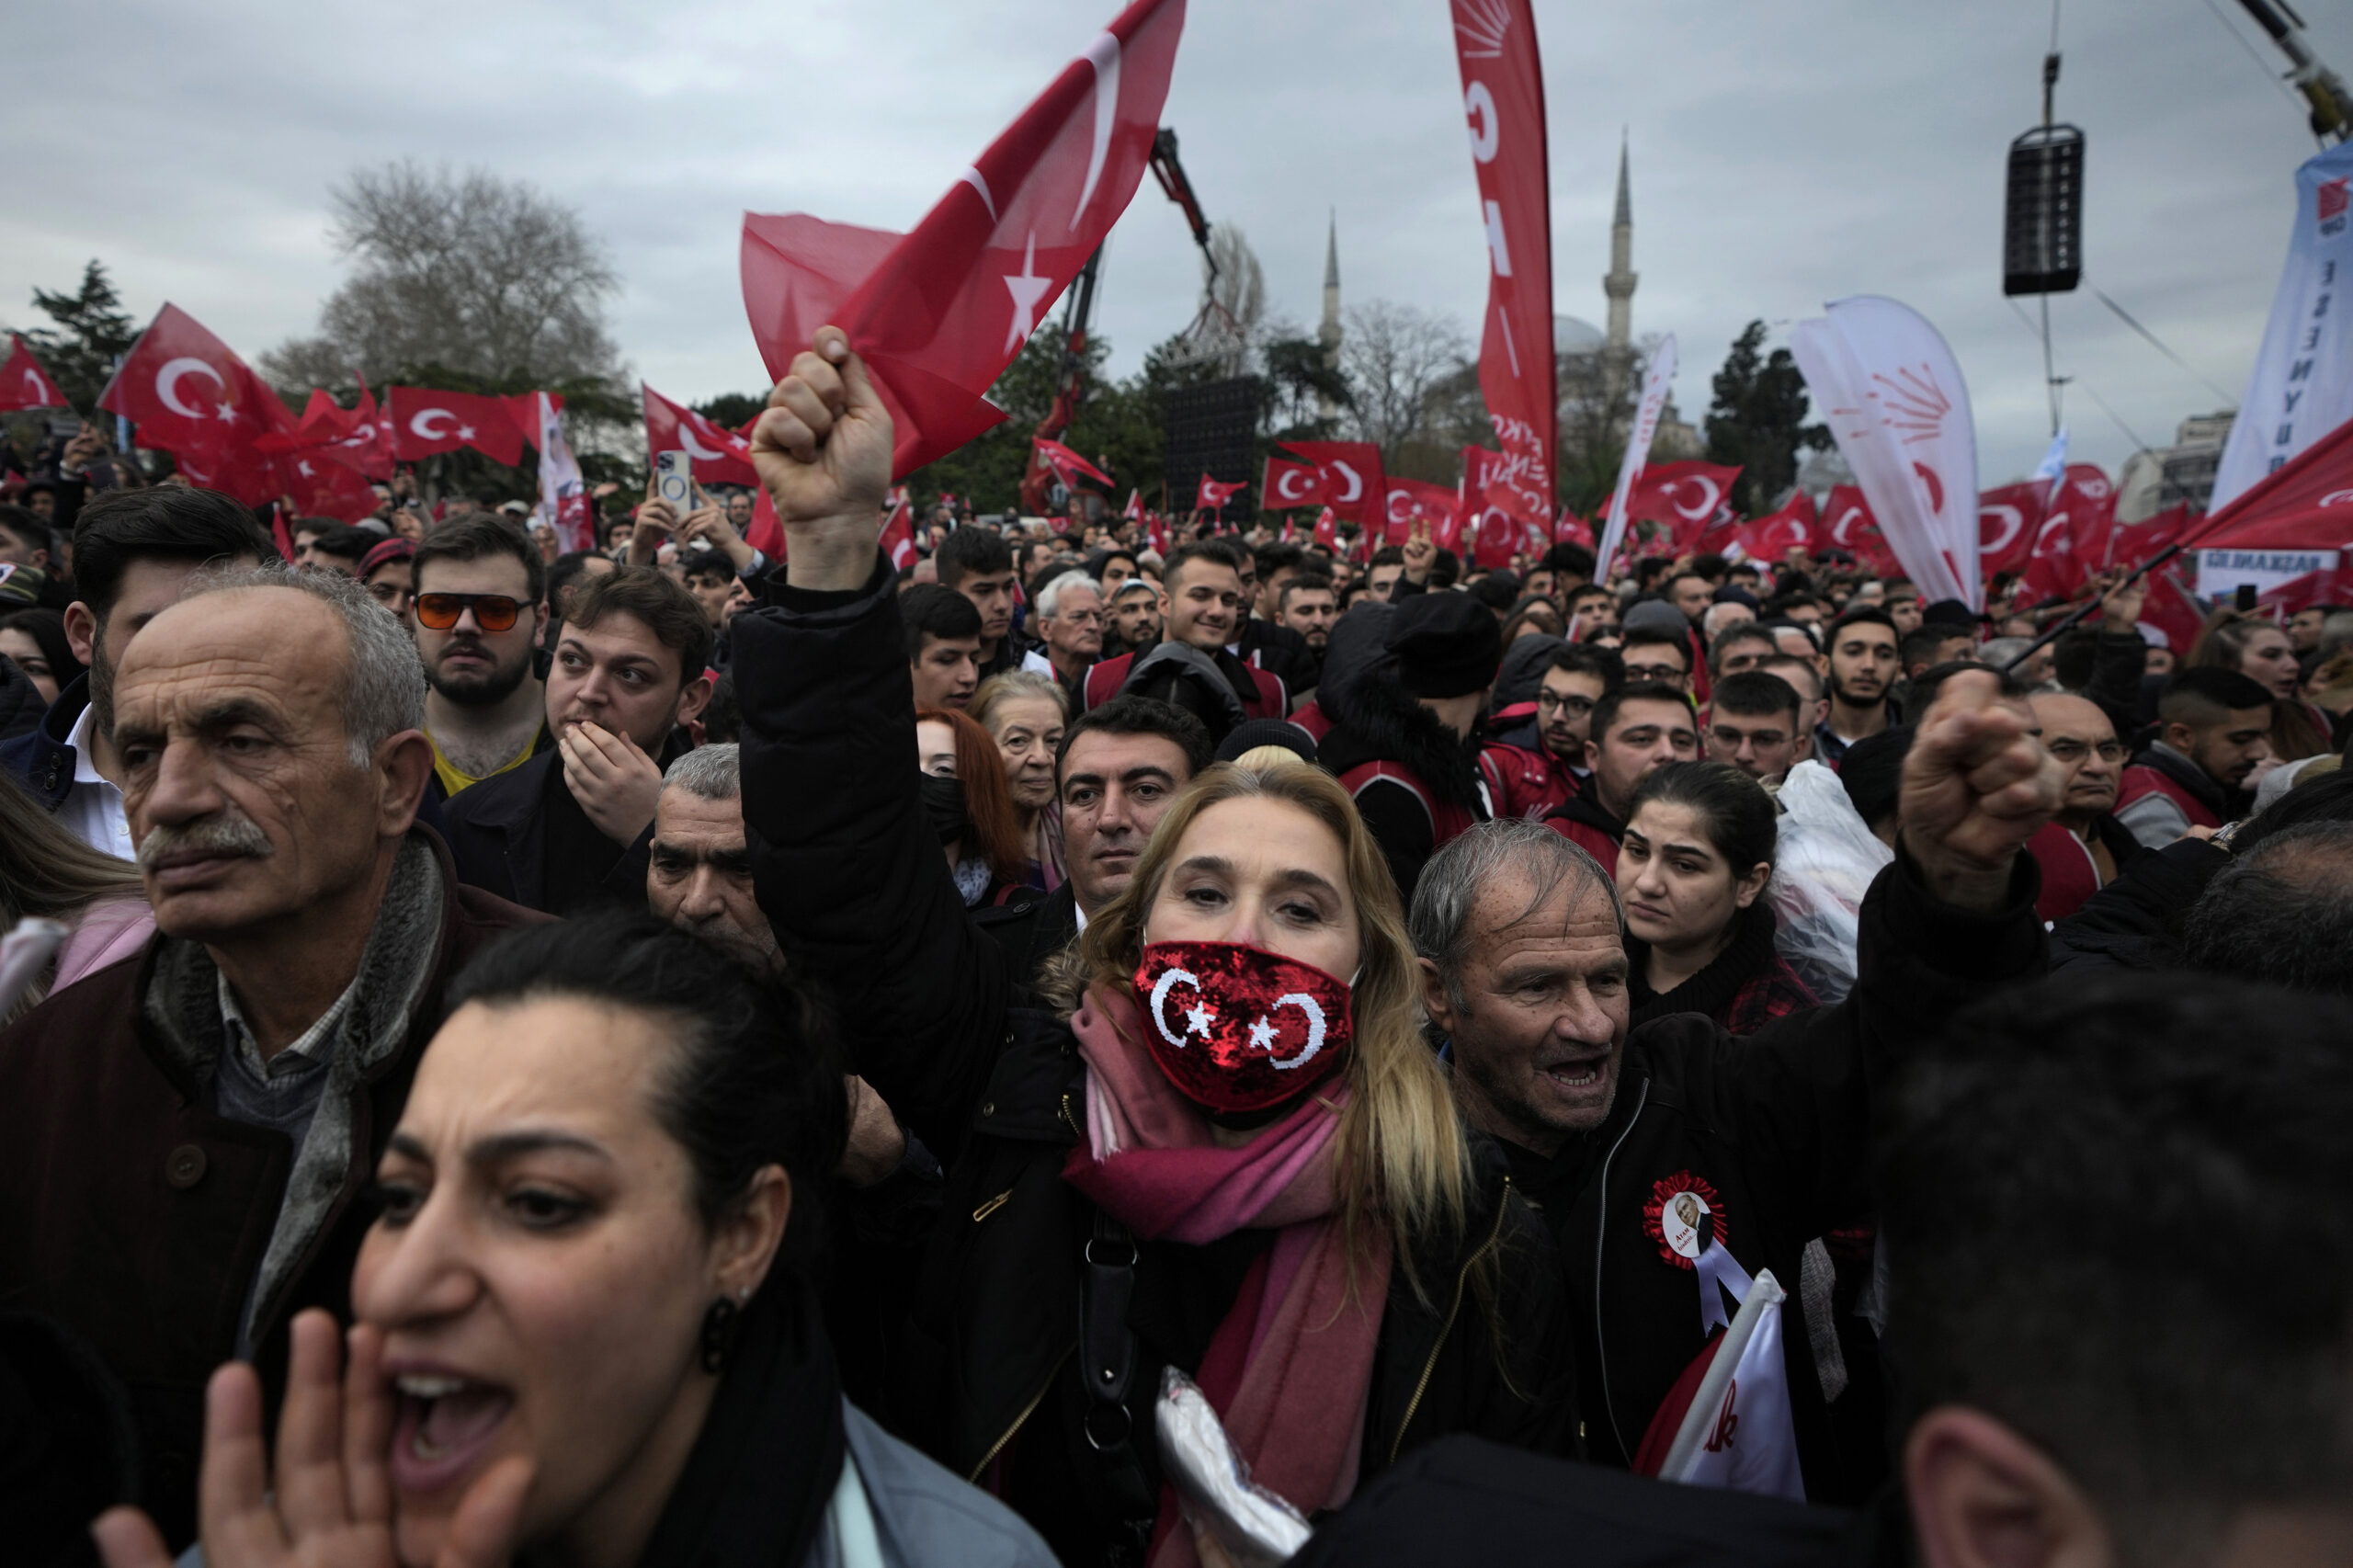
185 1136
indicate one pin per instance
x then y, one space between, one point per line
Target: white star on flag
1197 1019
225 412
465 432
304 468
1262 1035
1027 289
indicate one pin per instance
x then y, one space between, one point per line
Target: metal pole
2081 613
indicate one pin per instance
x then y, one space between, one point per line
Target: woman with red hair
965 795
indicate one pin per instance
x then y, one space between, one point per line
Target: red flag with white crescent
1773 535
1294 485
1411 501
716 454
940 313
1353 484
1155 533
1327 529
1503 103
1572 530
1067 464
425 422
191 396
1685 498
2006 520
23 383
1134 512
1214 496
899 536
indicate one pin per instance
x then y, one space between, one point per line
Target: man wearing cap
387 572
1133 621
1404 741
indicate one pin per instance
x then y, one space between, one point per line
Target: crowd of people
506 1058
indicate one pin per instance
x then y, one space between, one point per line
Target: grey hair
1010 686
1049 597
708 773
1448 894
383 684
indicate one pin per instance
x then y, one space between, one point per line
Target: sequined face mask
1237 1029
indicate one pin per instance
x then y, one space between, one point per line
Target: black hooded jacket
1375 720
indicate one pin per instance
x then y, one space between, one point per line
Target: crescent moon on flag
168 383
1394 514
1839 530
1356 480
33 386
1160 997
2012 520
1706 507
1104 55
2056 520
1314 1011
420 424
693 448
2338 498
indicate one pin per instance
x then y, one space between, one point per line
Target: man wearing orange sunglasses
478 601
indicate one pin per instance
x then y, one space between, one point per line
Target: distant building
2181 474
1618 282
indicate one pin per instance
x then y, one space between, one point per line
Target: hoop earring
718 1333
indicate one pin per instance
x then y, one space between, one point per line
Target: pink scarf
1289 1368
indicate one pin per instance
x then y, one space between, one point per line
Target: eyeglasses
493 612
1671 674
2075 751
1571 703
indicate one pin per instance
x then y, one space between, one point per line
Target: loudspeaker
2043 221
1213 429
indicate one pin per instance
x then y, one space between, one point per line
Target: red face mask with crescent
1237 1029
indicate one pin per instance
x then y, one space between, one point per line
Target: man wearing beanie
1405 738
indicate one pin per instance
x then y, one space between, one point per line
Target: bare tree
472 272
1221 338
1395 357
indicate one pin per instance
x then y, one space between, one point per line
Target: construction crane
1069 383
2332 106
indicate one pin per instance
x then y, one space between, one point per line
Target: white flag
1737 1433
1638 451
563 498
2303 385
1894 399
2053 466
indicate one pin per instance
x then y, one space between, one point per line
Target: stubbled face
1137 618
1201 605
1382 582
700 878
947 671
2269 659
1537 1012
1691 595
1659 662
1762 746
1643 738
2081 738
2229 748
1027 731
713 591
1862 663
237 781
1264 873
1311 612
1565 711
1115 789
1678 893
468 666
539 1272
618 676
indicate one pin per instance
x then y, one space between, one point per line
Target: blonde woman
1025 712
48 874
1234 1156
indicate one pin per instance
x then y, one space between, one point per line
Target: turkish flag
2007 521
23 383
1502 102
1294 485
2173 609
1773 535
2131 544
2305 503
1155 534
191 396
322 485
1067 464
1572 530
1212 495
1351 474
1686 497
939 314
1327 529
2071 542
713 453
1134 512
427 422
369 445
899 536
1412 501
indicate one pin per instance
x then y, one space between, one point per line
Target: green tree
732 411
92 328
1300 385
1758 420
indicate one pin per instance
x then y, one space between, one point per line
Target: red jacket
2142 779
1526 783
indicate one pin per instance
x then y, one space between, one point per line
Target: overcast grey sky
1783 154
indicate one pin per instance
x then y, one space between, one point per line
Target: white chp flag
1638 451
1893 396
1737 1433
2303 385
563 496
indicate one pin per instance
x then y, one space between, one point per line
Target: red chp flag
191 396
1212 495
716 454
1294 485
939 314
1067 464
23 383
427 422
1351 474
1503 100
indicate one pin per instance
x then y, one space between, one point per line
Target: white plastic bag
1255 1528
1823 867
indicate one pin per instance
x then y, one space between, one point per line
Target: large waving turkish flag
939 314
23 383
425 422
1292 485
191 396
715 454
1351 474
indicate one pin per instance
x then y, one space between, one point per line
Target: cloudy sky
1783 155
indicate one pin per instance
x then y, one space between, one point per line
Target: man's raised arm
846 866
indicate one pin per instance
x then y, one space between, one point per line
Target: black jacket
994 1385
1375 720
1280 652
1773 1131
498 836
1031 931
39 757
2135 921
